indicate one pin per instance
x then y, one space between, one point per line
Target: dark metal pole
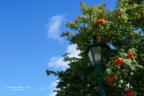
99 68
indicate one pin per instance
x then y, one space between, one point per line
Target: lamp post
97 53
142 57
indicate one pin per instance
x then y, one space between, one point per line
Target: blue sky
30 43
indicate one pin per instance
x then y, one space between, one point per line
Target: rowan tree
123 29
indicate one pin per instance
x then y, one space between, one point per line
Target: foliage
124 70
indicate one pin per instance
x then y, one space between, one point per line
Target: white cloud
53 94
54 24
58 61
72 50
52 87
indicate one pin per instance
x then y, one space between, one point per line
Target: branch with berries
121 68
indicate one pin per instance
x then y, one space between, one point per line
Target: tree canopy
123 28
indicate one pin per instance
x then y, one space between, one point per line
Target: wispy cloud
53 87
54 27
73 51
58 61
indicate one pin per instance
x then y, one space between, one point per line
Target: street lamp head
97 52
94 55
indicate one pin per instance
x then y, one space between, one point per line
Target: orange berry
130 54
100 22
98 38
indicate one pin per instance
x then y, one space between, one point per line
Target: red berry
130 54
130 93
118 61
111 78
